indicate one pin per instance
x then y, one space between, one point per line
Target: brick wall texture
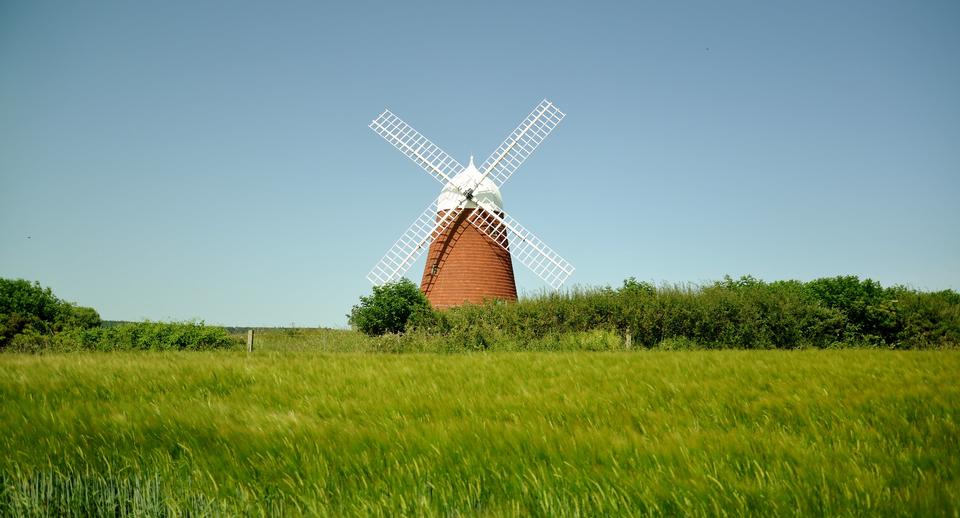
466 265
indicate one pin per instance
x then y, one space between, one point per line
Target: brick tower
465 264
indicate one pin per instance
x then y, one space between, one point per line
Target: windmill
471 239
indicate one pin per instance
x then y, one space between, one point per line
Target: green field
851 432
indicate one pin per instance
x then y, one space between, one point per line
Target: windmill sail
521 142
522 244
412 243
418 148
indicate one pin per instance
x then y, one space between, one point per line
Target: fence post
249 340
629 338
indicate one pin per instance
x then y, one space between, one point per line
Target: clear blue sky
212 159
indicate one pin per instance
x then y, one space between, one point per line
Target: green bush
872 315
389 308
140 336
79 317
738 313
928 319
34 320
30 309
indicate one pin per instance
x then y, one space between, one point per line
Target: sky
212 160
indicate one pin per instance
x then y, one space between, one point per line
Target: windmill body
471 240
464 264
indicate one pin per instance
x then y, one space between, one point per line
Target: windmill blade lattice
521 142
411 244
418 148
523 245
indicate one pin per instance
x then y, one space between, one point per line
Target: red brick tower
465 264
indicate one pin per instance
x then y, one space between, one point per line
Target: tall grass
310 339
767 433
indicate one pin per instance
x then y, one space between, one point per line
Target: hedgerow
135 336
738 313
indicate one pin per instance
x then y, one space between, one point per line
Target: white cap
486 191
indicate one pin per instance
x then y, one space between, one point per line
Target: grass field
855 432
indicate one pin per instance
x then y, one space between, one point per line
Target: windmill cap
485 191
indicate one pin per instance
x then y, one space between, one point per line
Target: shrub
25 306
739 313
388 308
34 310
871 311
30 341
139 336
80 317
928 319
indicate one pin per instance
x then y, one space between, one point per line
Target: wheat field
834 432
